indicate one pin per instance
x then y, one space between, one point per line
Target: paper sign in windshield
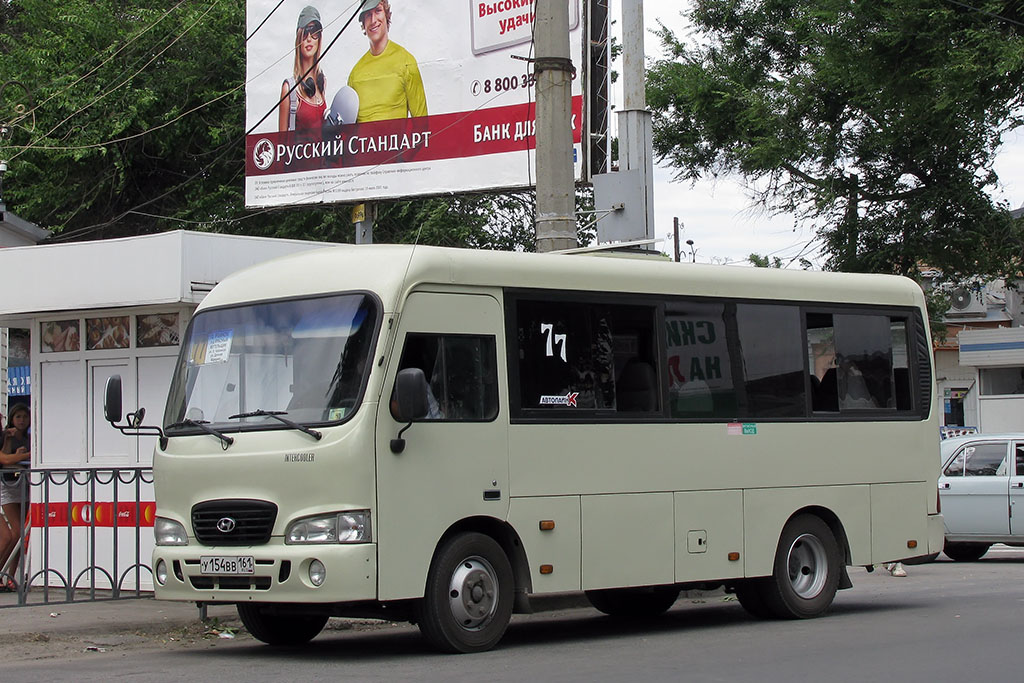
214 350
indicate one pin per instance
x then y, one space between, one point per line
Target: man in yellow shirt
387 78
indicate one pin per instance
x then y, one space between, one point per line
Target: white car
981 488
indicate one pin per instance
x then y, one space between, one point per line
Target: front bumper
281 574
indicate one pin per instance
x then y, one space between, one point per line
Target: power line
103 63
127 80
314 65
985 12
68 148
79 232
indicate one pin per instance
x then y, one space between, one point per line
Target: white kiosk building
92 310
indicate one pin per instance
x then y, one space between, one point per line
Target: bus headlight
336 527
169 532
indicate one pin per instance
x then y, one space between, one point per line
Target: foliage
136 116
759 261
876 122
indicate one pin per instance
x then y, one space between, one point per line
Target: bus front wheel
280 629
468 600
806 571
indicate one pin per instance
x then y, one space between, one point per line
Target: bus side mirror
112 399
408 402
411 395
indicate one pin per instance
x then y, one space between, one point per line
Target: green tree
132 114
875 122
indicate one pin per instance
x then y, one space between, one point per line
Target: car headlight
336 527
169 532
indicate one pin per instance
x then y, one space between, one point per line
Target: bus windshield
305 359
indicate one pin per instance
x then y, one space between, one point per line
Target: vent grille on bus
924 366
233 522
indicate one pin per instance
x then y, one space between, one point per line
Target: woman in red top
303 108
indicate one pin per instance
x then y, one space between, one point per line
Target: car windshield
302 358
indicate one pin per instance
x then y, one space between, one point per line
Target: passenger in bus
15 457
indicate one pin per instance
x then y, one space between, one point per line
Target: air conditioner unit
967 302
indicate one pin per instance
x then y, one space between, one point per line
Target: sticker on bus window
741 429
567 400
213 350
335 414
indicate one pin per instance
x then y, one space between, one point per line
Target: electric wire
992 15
103 63
129 79
80 232
265 20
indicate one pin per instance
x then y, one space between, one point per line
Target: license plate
227 566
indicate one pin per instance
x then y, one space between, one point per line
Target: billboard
411 99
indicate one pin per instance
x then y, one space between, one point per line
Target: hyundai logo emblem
226 525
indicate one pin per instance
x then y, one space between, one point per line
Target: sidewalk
103 618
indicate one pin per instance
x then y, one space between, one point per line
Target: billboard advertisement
360 100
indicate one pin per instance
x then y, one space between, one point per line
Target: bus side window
461 372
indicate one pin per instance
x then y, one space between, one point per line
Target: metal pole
556 187
363 218
675 235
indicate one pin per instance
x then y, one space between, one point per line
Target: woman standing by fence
15 457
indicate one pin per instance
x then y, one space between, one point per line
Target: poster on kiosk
352 100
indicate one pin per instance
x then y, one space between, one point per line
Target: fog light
161 572
317 573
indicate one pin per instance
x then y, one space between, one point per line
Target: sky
720 217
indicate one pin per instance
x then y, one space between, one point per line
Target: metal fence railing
85 536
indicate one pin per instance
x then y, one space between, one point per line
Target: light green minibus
440 435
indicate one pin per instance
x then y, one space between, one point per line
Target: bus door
455 461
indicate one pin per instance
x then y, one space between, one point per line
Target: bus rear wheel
468 600
277 629
806 571
633 602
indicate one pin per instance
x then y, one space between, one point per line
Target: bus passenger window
461 372
575 357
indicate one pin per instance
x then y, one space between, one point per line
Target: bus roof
388 270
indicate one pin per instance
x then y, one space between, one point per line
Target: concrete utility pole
556 186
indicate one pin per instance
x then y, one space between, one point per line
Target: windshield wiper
279 416
205 426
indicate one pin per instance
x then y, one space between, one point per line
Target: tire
633 603
280 630
965 552
467 604
806 571
750 593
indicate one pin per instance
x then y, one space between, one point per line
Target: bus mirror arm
398 443
133 424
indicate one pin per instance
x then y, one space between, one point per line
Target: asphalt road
945 622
